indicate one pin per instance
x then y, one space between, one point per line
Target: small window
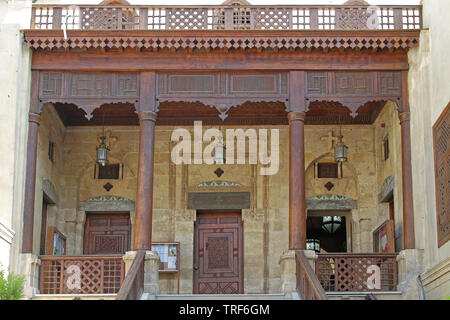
386 148
109 171
327 170
51 151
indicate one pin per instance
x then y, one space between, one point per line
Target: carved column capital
404 116
147 116
296 116
34 117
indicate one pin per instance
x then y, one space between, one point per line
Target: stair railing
133 284
308 285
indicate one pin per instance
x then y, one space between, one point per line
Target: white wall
429 90
14 96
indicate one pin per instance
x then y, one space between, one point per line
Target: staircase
381 295
248 296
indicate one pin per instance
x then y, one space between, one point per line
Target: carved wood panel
218 263
353 83
62 86
390 83
90 85
441 136
316 83
107 234
225 84
51 84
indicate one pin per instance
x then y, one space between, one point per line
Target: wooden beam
131 60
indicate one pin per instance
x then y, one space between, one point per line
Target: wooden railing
85 17
308 286
350 272
81 274
133 285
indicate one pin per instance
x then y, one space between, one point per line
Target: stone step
249 296
75 297
383 295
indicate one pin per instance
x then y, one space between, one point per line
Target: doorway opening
218 253
107 233
329 231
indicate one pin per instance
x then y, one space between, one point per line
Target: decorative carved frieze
222 90
352 89
353 83
88 90
44 39
89 85
387 189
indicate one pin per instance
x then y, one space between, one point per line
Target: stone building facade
367 192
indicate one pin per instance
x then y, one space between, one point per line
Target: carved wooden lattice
42 18
386 18
411 19
441 133
273 19
349 272
98 274
326 18
301 19
156 19
351 19
95 18
218 18
187 19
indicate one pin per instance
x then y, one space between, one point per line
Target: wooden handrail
133 285
308 285
98 274
349 271
186 17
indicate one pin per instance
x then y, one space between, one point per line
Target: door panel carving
218 267
107 234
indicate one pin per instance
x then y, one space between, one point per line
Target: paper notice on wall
172 262
162 251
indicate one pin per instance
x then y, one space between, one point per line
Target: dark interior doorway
327 233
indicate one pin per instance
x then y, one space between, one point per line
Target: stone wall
428 96
265 222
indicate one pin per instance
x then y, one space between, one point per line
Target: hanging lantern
219 151
102 152
313 244
331 224
340 150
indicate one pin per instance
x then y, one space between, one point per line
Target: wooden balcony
86 17
81 274
348 272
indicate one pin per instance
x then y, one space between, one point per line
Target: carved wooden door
218 260
107 234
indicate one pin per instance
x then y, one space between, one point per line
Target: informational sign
168 253
384 238
56 242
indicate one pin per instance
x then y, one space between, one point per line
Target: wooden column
407 189
34 119
297 201
144 193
